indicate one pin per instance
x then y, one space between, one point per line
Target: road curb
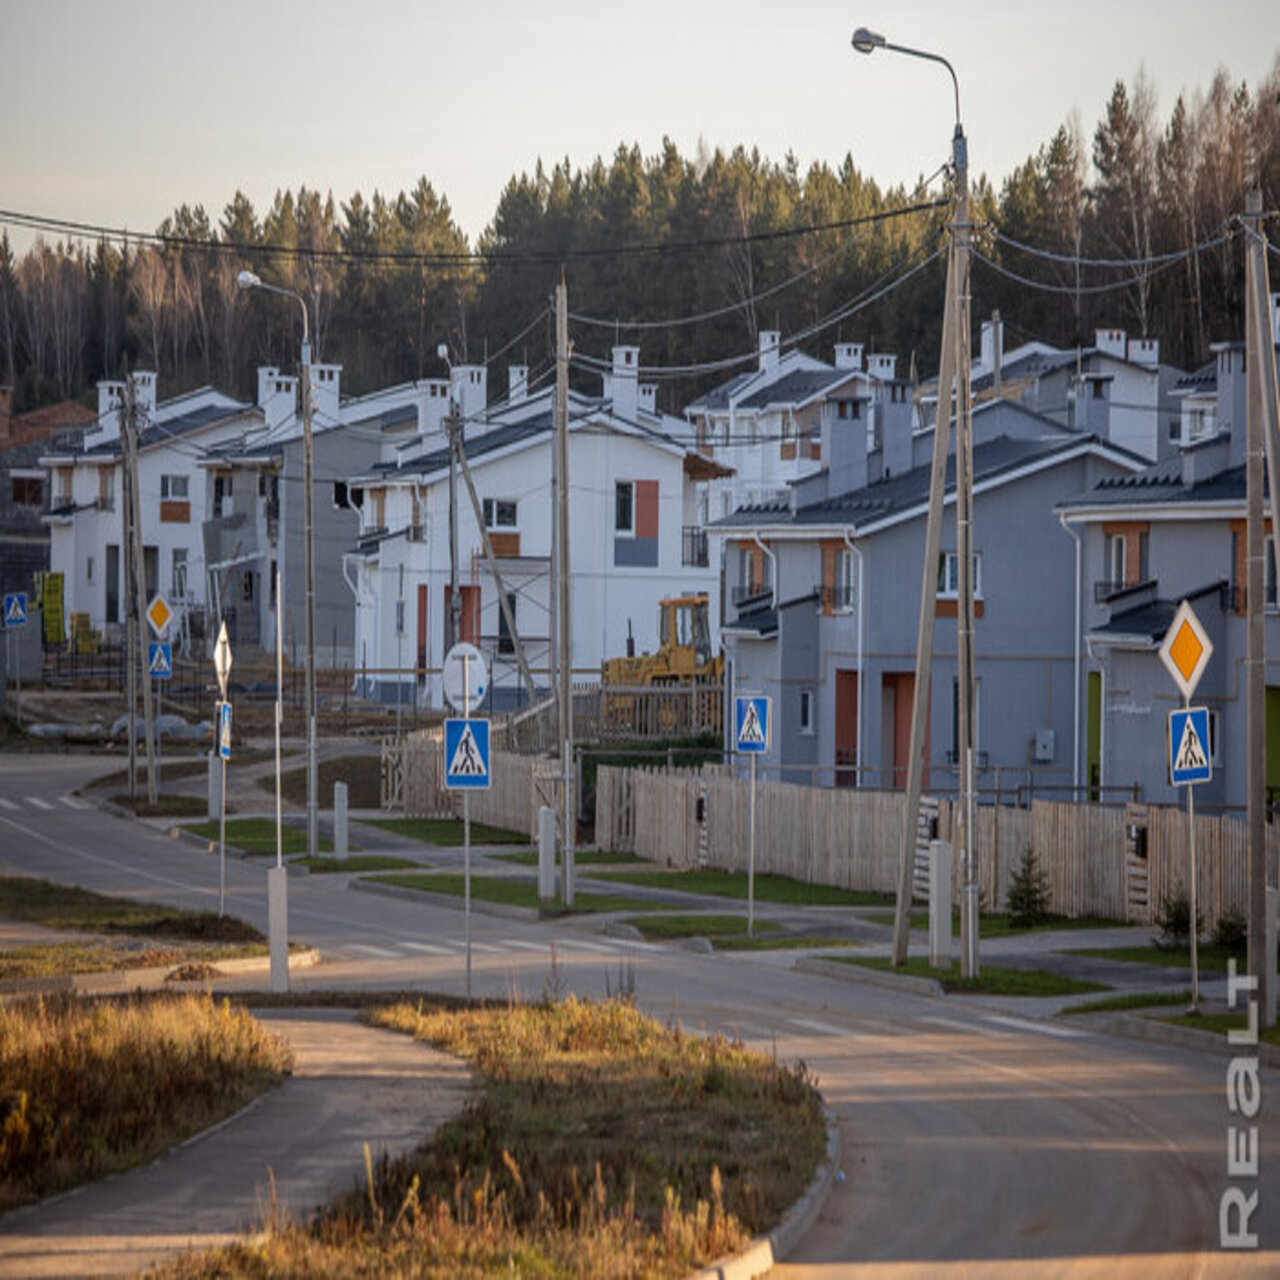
1153 1031
859 973
765 1252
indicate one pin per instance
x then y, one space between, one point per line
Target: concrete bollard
340 821
278 926
215 785
940 955
546 854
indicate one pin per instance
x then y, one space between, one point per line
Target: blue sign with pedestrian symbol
224 730
466 753
15 609
160 660
1189 749
752 719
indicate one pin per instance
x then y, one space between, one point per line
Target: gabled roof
1161 485
173 428
797 388
887 500
1203 380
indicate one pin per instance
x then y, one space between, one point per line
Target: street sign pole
1191 846
222 828
751 858
466 832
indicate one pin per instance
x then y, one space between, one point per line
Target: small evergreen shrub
1174 922
1029 892
1231 933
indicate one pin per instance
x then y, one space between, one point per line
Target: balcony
750 593
693 549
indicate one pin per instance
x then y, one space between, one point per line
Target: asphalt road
976 1140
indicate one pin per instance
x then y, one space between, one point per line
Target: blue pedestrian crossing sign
15 609
160 660
224 730
466 754
1189 750
752 720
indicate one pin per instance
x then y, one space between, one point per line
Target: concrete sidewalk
351 1085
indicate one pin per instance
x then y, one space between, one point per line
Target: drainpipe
773 577
1075 721
862 616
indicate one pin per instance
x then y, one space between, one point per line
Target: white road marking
379 953
73 802
7 804
576 944
1044 1029
528 946
39 803
822 1028
429 948
486 948
971 1028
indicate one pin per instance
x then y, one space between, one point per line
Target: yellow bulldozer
676 690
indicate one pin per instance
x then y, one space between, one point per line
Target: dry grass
603 1145
88 1088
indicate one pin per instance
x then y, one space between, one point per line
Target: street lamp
248 280
953 366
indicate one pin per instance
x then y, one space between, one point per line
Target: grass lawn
447 832
136 934
993 980
1220 1023
581 858
1135 1000
999 924
1209 958
356 864
166 806
257 835
362 774
93 1087
503 890
768 888
602 1144
729 933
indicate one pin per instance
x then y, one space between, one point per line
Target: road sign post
1185 652
15 616
467 758
753 722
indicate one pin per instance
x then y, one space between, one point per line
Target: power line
1070 290
465 258
1073 260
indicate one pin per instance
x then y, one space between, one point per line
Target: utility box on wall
1044 746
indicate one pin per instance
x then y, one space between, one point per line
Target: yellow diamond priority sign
1186 649
159 615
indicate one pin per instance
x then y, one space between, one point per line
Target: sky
115 114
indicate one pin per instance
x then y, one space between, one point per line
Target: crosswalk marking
73 802
39 803
7 804
527 946
486 948
429 948
578 944
970 1028
822 1028
1043 1028
379 953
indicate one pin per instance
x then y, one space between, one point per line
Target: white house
634 538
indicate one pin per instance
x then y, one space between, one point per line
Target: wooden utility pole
1262 444
139 602
126 565
564 647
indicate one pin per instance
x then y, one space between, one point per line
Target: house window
28 491
89 570
178 573
506 641
499 513
222 490
1215 738
173 487
806 711
246 589
399 617
949 575
106 489
624 507
1115 558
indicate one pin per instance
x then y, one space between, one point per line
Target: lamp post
248 280
953 367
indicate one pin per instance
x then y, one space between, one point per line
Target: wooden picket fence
849 838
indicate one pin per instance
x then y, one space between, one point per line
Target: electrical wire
1115 286
1073 260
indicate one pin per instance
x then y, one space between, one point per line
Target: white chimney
1144 351
991 345
882 366
110 400
1110 342
517 382
470 389
277 396
649 397
848 355
769 340
325 399
623 384
144 397
432 401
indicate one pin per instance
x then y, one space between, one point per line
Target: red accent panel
646 508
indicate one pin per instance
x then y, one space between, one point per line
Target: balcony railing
750 592
694 554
